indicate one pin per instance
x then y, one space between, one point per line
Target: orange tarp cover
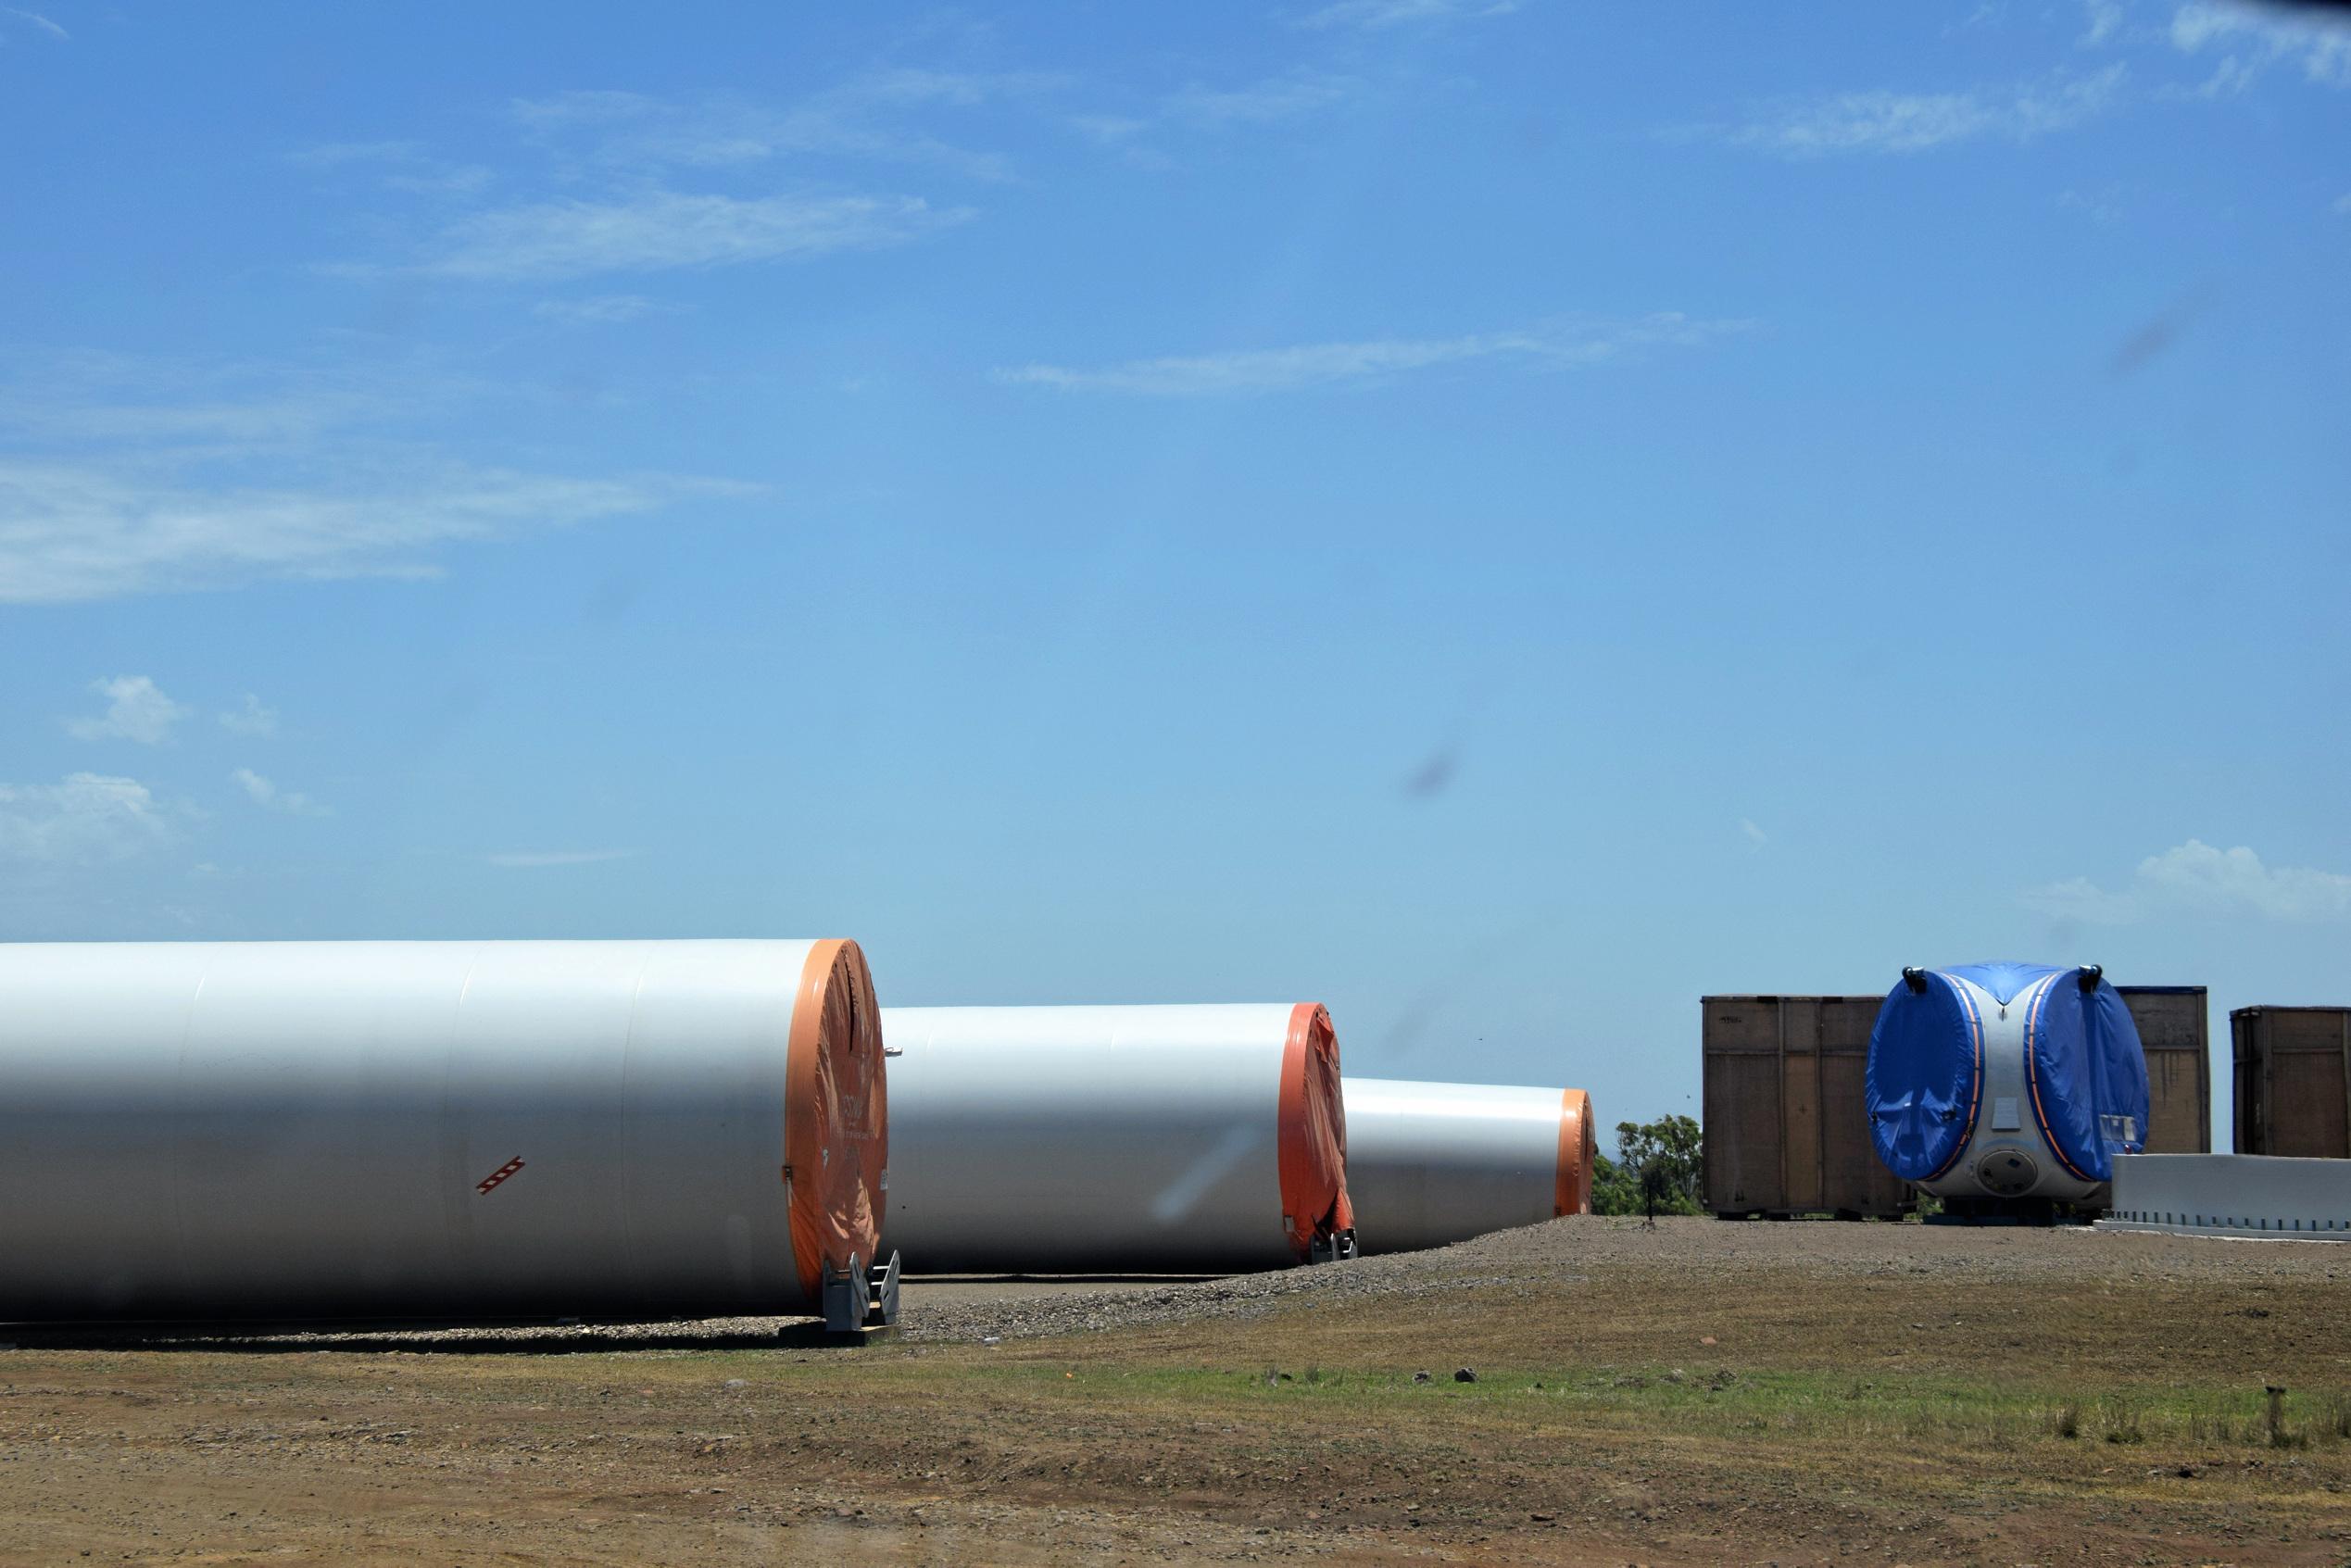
836 1115
1571 1190
1313 1153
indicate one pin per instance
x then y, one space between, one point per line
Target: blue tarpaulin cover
2085 1073
1925 1077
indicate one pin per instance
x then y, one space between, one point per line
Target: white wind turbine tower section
1095 1140
1429 1164
436 1130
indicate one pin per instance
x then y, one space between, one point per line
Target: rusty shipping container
1785 1128
2293 1080
2175 1031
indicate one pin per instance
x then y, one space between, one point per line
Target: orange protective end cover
1571 1190
836 1115
1313 1154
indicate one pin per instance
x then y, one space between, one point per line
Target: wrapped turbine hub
2005 1081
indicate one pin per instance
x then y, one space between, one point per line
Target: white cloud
2197 879
120 475
87 819
73 533
534 859
1110 129
2101 207
657 229
2319 44
2231 74
1911 122
2343 203
1756 835
2104 18
269 798
1261 103
335 154
464 180
863 116
1376 14
251 718
411 167
136 708
1247 371
600 309
37 21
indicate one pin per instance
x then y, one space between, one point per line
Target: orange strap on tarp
1313 1149
1571 1187
836 1115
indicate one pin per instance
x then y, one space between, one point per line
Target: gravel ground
953 1309
1591 1245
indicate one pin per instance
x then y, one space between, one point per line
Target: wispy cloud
87 819
2247 40
1247 371
657 230
603 309
399 165
265 794
121 403
865 117
462 180
534 859
123 477
72 534
604 181
336 155
2101 207
1756 835
1261 103
38 22
1376 15
1883 121
251 717
136 710
1139 130
2197 879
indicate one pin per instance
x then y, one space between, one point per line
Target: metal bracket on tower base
846 1292
1337 1247
855 1300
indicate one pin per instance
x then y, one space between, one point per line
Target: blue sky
1502 518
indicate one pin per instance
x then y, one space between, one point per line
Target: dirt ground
1702 1393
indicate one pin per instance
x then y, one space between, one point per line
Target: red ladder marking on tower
500 1174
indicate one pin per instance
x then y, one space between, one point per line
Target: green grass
1940 1409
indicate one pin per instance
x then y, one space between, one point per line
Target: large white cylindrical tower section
1429 1164
435 1130
1091 1139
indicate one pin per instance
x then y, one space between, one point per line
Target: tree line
1656 1170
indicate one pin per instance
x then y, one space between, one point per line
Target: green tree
1656 1170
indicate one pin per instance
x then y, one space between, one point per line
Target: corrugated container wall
2293 1078
2176 1034
1786 1131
